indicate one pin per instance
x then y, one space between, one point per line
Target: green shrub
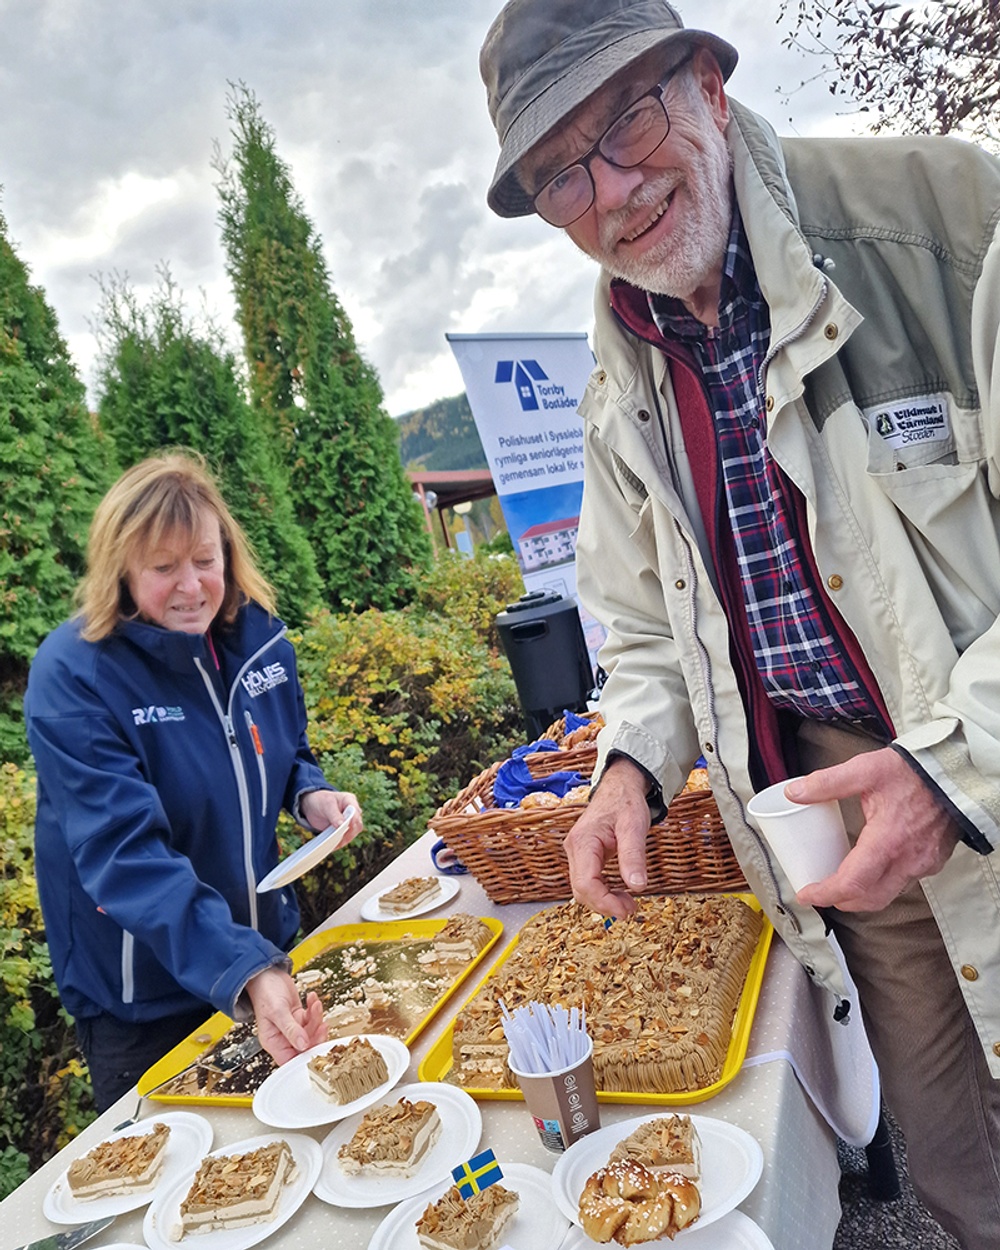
45 1095
472 590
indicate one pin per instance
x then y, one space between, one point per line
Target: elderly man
790 522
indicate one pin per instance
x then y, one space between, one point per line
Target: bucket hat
543 58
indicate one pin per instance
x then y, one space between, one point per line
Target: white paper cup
807 839
563 1104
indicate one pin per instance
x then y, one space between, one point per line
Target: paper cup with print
563 1104
807 839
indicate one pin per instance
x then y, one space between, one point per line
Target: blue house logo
524 374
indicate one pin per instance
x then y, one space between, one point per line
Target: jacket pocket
953 523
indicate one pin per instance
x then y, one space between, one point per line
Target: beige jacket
885 412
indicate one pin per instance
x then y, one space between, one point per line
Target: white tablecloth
794 1048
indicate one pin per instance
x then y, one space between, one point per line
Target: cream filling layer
423 1142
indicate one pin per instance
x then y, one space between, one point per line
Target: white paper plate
734 1231
164 1212
190 1136
372 910
307 856
121 1245
289 1099
731 1164
538 1225
461 1127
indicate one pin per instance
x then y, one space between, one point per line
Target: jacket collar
795 287
178 651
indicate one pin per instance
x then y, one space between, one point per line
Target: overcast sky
110 109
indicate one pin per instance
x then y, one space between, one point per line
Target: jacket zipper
239 771
128 966
258 745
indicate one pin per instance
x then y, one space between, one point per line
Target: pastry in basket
697 781
344 1073
391 1140
126 1165
627 1203
230 1191
583 733
660 991
667 1144
476 1223
539 798
409 894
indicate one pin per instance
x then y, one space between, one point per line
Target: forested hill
441 436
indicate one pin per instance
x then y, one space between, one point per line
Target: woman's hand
285 1027
328 807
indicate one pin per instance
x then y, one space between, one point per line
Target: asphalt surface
868 1224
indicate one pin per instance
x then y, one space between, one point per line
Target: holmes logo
259 681
156 715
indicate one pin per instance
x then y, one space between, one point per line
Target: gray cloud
111 111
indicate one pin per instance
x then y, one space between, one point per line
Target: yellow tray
186 1052
438 1061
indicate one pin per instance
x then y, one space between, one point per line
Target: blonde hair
160 496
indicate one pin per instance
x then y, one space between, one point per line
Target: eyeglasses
631 138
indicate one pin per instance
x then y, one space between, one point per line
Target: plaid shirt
797 653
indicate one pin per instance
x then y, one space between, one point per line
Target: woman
168 729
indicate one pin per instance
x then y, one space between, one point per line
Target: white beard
692 254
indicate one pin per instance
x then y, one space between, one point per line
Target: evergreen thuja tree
164 384
53 471
310 384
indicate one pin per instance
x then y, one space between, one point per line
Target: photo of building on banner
524 390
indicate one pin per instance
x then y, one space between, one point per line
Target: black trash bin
543 640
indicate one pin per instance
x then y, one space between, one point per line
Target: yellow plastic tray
186 1052
438 1061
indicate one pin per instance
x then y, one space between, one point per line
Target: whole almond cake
660 991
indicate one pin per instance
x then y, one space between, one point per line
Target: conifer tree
164 383
53 471
309 383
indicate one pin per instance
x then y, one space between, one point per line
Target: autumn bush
44 1091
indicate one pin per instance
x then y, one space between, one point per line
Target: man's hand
327 807
906 834
285 1027
617 818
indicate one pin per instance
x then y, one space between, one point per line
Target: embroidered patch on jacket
156 715
907 422
257 681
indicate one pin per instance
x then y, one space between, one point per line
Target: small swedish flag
608 921
478 1174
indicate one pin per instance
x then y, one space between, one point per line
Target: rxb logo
523 373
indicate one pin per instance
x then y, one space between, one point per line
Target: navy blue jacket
160 779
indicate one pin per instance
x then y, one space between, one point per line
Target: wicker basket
517 854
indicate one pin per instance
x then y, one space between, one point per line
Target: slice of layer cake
476 1223
668 1144
461 939
229 1191
347 1072
411 893
392 1140
127 1165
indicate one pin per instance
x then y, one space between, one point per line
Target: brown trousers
934 1075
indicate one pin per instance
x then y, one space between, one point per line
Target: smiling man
790 524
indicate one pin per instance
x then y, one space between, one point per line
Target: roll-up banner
524 390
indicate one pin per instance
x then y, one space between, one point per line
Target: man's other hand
906 835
